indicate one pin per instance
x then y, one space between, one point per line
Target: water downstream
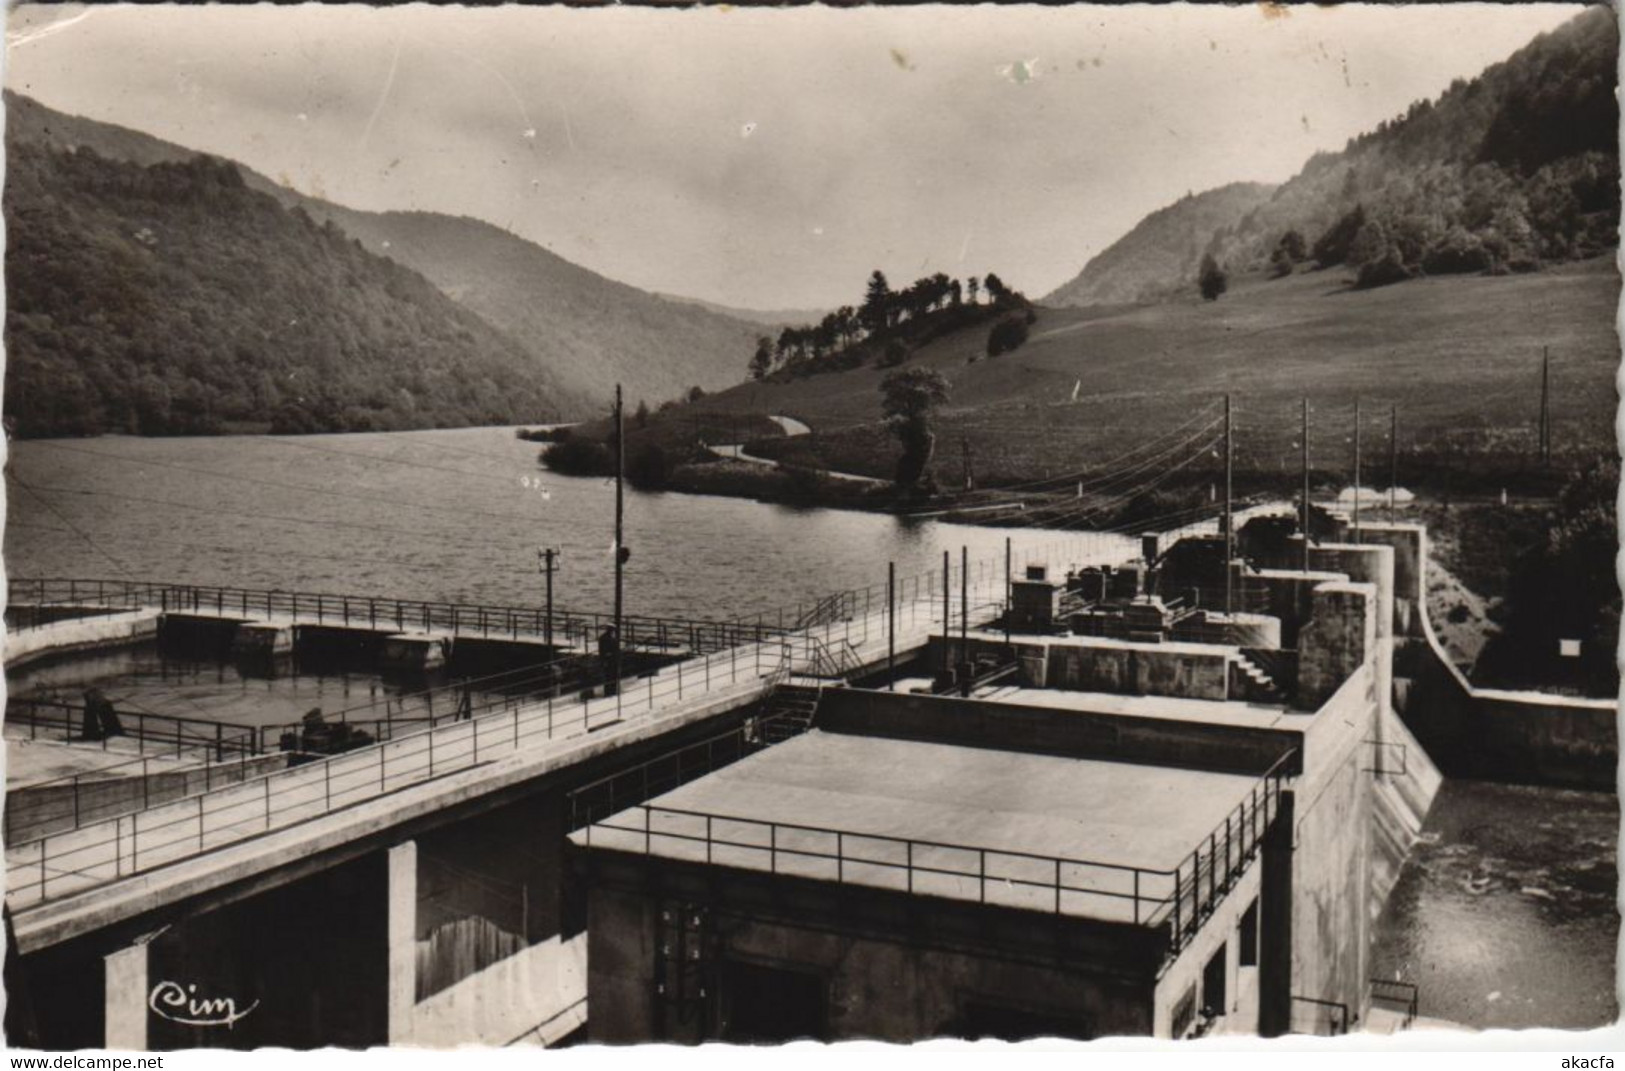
1504 916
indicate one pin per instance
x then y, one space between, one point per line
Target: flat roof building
1123 832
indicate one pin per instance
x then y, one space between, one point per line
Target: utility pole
891 626
1229 519
1545 405
620 545
548 555
1007 590
1356 468
1304 523
1393 464
947 616
964 621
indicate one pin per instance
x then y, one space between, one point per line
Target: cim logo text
181 1004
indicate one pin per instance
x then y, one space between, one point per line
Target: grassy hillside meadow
1459 356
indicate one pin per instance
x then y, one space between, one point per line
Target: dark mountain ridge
170 298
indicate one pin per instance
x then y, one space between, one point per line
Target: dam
1207 772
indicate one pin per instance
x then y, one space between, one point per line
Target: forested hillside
173 299
1511 171
588 331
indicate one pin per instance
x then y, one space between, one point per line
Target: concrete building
1160 821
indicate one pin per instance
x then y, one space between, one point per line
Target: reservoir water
441 515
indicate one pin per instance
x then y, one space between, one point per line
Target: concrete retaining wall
1404 784
1493 734
26 645
1117 667
1078 734
1331 856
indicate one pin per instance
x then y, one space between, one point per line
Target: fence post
1178 896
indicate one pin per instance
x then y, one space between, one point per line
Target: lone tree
909 401
1212 278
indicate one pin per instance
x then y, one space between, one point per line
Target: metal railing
321 608
1396 996
1229 850
986 875
1180 899
159 734
71 801
1325 1018
760 658
95 854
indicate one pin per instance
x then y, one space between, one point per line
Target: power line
75 529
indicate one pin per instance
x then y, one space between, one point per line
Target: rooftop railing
1180 899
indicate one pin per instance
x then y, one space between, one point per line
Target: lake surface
1505 915
447 515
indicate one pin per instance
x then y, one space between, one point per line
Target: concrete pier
256 640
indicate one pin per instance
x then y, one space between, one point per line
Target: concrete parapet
1235 629
1290 595
25 645
1409 543
1337 640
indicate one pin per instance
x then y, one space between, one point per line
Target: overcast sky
766 158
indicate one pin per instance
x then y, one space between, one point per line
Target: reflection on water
140 679
1505 914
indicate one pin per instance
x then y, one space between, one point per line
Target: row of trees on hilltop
889 319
